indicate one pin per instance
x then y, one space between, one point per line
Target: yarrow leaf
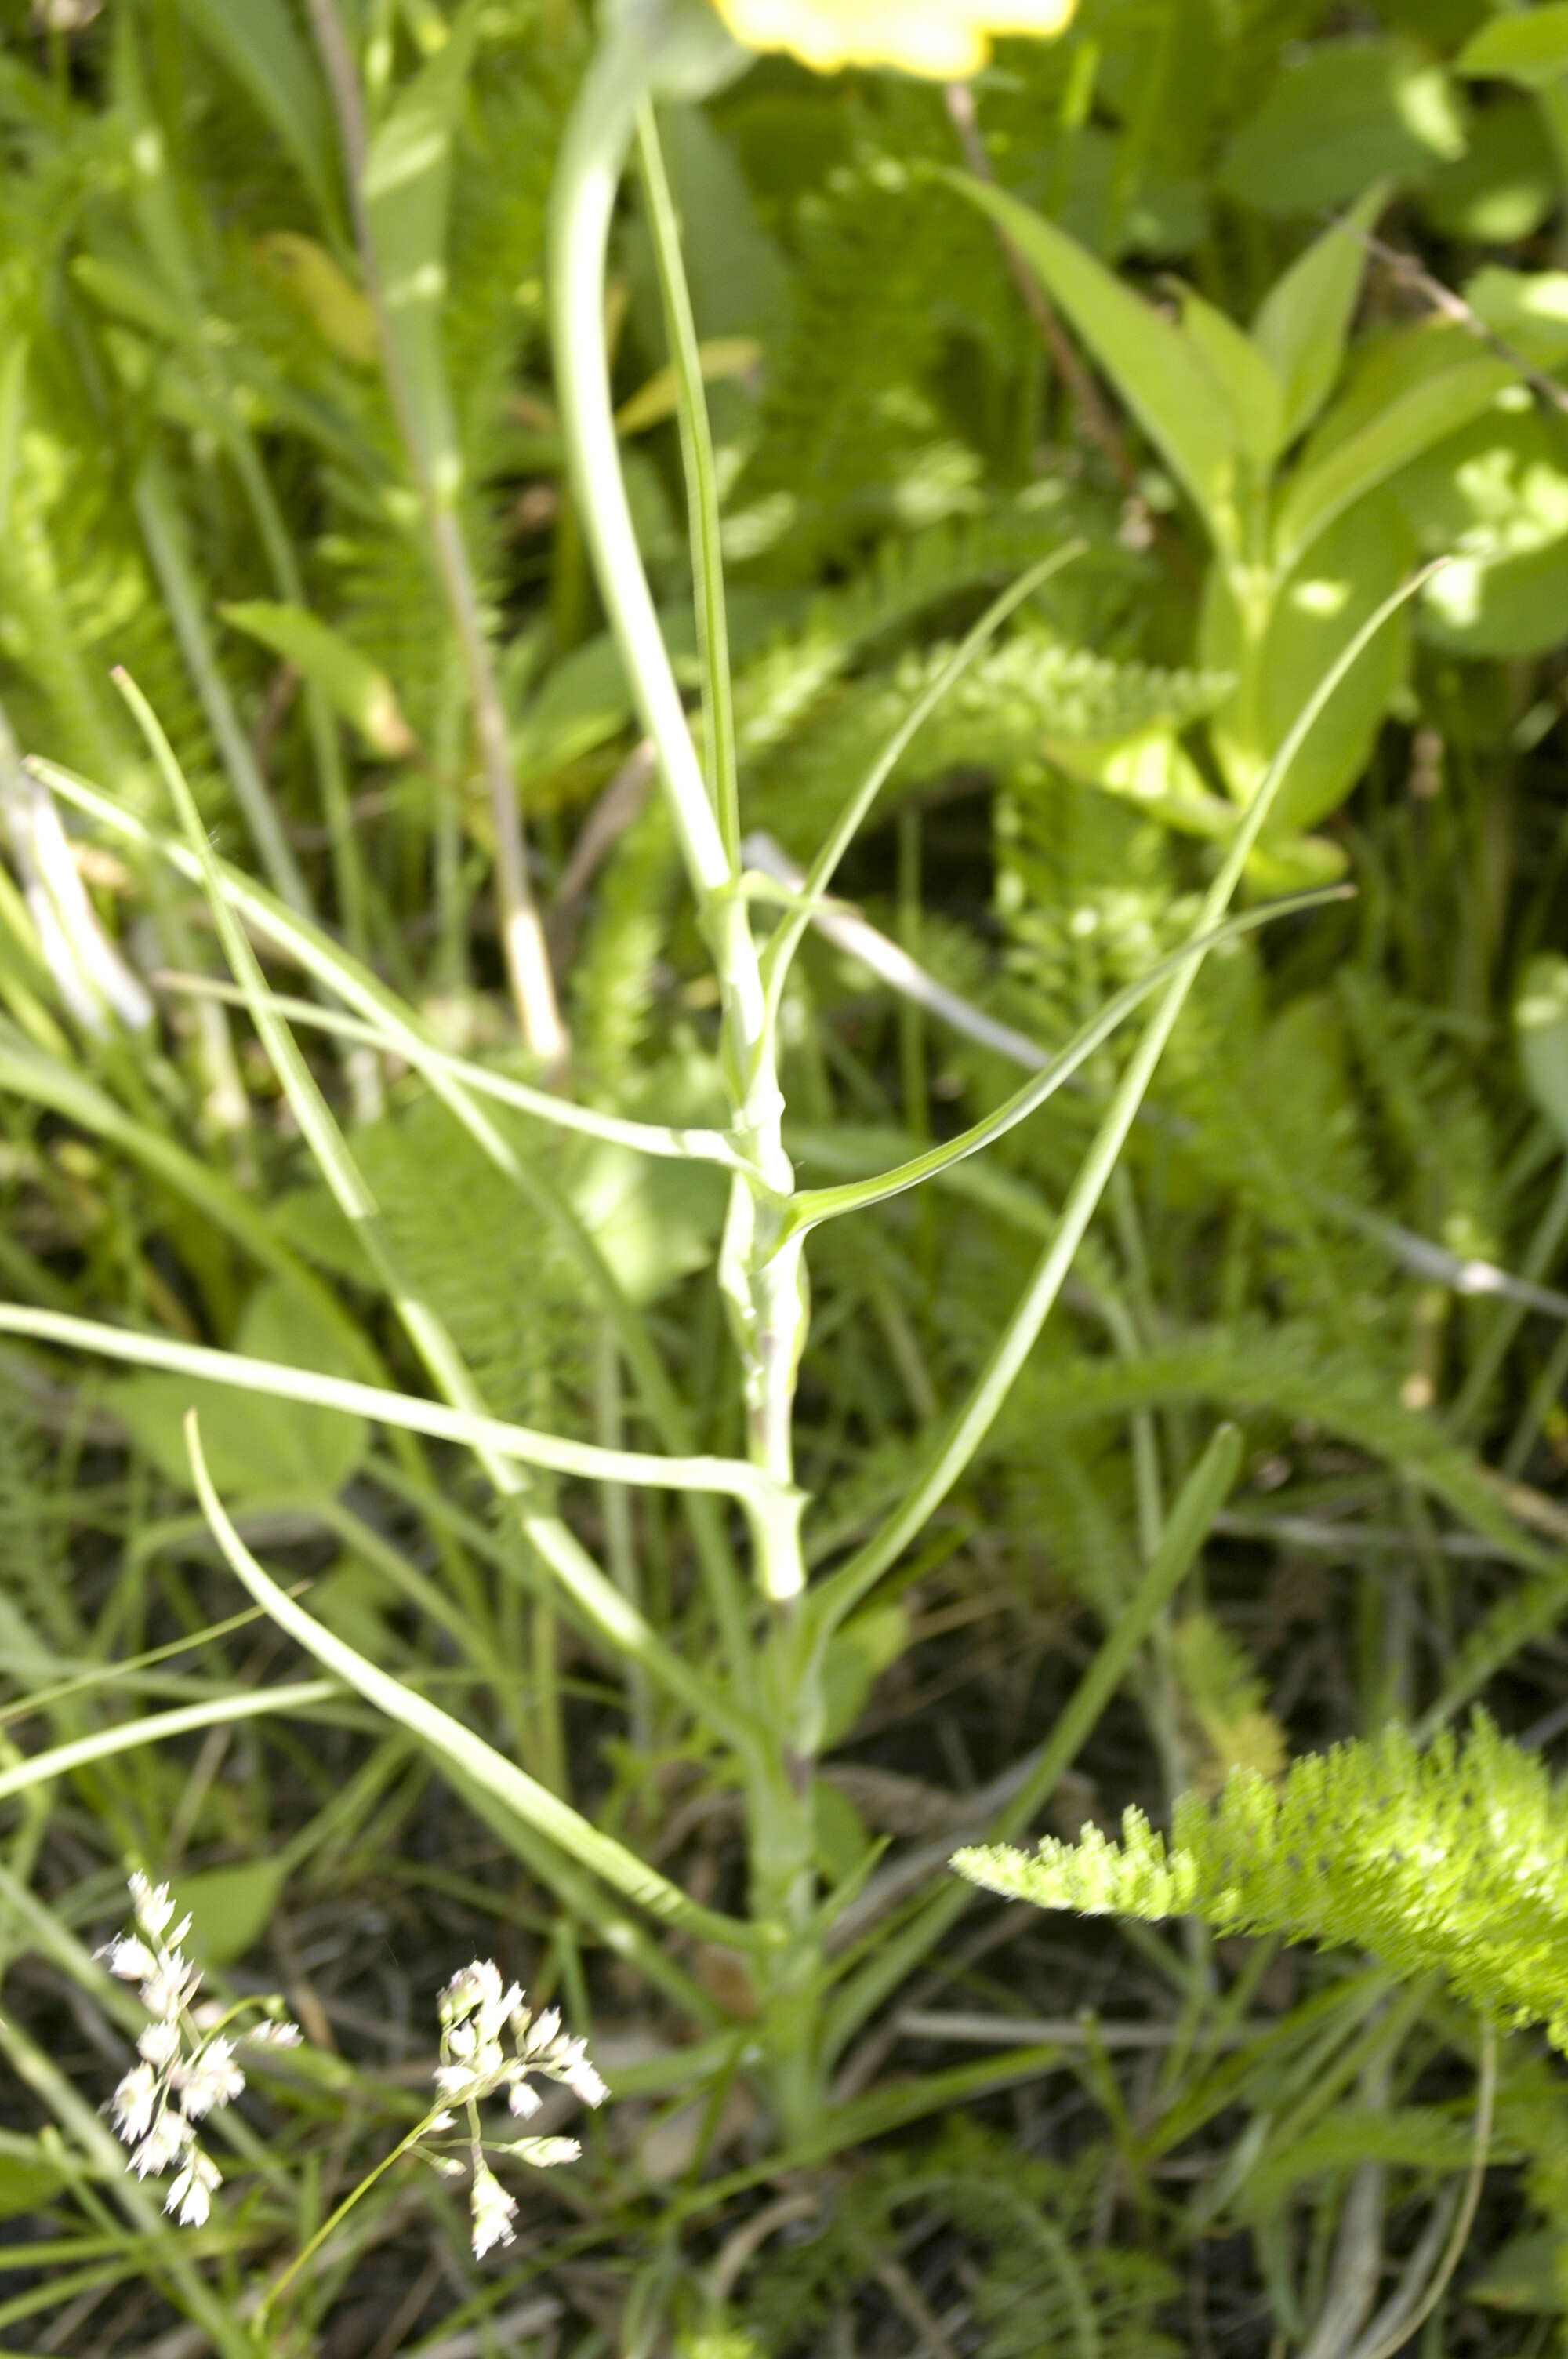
1454 1859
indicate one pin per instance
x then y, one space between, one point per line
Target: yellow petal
944 39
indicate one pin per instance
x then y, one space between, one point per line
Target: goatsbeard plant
651 50
761 1702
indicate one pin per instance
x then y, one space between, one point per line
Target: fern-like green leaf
1455 1859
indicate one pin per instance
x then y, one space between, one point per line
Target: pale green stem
127 1735
308 2251
469 1757
588 177
702 481
760 1268
556 1545
810 1206
521 1444
562 1113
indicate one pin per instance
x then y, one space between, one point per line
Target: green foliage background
1311 265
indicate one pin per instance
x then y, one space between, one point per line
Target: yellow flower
943 38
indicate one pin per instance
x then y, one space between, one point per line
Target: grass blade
440 1734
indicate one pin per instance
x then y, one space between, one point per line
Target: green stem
702 481
588 177
361 991
760 1266
421 2129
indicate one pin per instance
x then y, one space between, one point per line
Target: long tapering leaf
954 1447
440 1734
729 1477
581 1579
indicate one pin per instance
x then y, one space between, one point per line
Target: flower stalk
677 51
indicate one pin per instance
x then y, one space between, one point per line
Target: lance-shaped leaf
348 680
1161 373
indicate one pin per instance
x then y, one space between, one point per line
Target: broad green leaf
1503 186
1158 370
1305 319
1498 488
129 294
407 178
858 1654
582 700
1505 609
1419 387
1244 376
259 45
1154 770
839 1839
27 2185
1541 1028
230 1908
1158 773
1351 567
1295 863
1526 46
260 1447
1349 111
1498 493
348 680
1527 309
653 1222
1526 2275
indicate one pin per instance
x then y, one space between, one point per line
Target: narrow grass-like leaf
562 1113
728 1477
436 1729
1201 1495
259 44
129 1734
955 1446
352 684
804 906
814 1205
702 487
558 1546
